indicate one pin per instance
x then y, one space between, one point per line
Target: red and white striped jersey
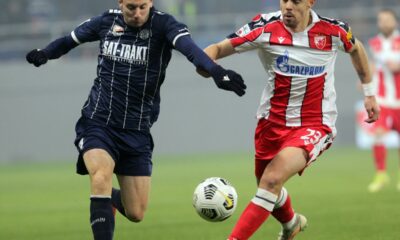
300 87
387 82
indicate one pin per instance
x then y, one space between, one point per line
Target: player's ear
151 3
120 3
311 3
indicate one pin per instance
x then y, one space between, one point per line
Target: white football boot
299 226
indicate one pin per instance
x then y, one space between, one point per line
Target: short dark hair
388 10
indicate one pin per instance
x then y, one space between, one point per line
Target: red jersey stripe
311 109
381 84
397 84
280 99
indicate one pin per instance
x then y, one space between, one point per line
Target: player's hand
228 80
372 108
36 57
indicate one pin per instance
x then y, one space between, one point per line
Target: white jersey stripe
159 73
99 74
112 80
127 86
384 49
145 77
297 93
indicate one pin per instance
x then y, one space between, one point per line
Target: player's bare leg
291 161
381 178
285 164
100 166
134 195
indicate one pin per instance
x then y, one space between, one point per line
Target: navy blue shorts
131 149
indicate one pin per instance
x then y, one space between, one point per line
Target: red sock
250 220
379 151
285 213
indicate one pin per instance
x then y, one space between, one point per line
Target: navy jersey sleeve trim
88 31
59 47
178 36
193 53
75 38
172 28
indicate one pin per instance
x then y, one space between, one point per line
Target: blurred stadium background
200 127
40 106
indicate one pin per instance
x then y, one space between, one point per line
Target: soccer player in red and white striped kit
385 51
297 111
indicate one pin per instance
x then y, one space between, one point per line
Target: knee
100 180
272 182
135 215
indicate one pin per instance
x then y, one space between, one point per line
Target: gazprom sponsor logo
129 53
282 63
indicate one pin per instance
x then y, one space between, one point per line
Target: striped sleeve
346 37
251 35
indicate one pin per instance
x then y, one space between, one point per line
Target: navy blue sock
116 201
102 218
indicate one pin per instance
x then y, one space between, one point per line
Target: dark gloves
228 80
36 57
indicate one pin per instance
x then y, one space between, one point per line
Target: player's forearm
360 62
220 50
59 47
194 54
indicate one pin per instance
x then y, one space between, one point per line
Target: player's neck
304 24
388 34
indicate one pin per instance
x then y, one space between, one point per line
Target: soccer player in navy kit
113 131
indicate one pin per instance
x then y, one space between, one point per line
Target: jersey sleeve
250 36
88 31
347 40
174 29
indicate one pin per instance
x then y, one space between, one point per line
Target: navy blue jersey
131 67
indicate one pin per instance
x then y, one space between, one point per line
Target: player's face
135 12
386 23
295 12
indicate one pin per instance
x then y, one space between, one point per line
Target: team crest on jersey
117 30
144 34
320 41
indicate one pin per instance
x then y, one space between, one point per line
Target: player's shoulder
396 35
263 19
162 16
374 40
334 23
113 12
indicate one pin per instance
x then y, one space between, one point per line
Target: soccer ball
215 199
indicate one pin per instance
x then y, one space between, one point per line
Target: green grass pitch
48 201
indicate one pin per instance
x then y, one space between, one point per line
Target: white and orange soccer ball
215 199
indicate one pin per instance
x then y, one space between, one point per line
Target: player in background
113 133
385 51
297 112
